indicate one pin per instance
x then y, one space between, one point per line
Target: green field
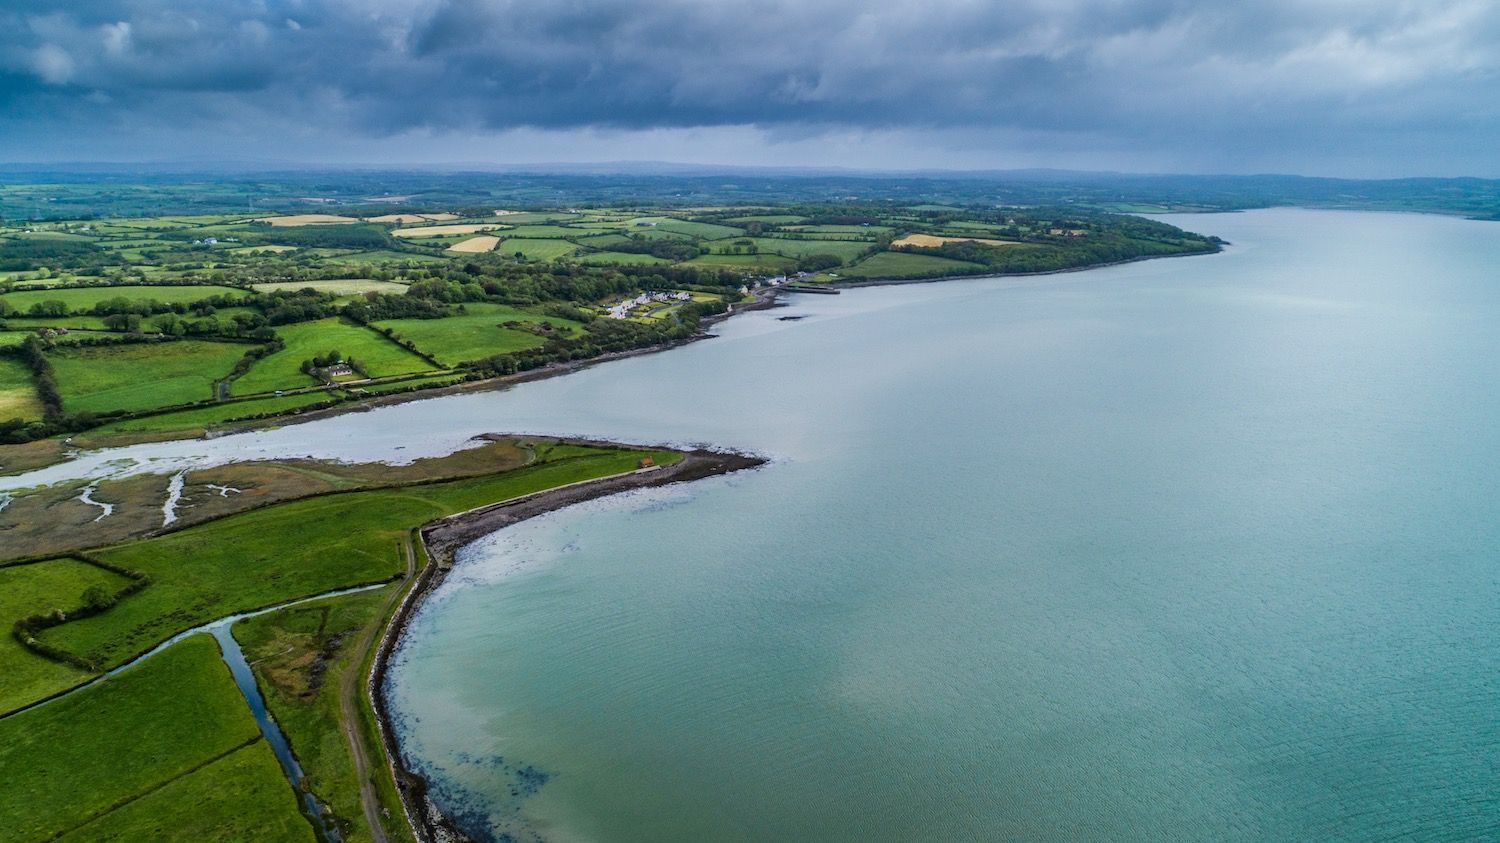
33 589
153 731
844 250
536 231
862 230
84 298
703 230
763 262
199 418
622 259
72 321
603 241
340 287
474 335
536 250
270 555
772 219
17 390
907 265
141 376
283 369
242 796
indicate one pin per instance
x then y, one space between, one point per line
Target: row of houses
622 309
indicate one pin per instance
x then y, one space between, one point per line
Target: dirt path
349 688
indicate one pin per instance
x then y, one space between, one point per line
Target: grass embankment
165 751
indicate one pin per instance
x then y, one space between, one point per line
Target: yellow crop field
928 241
308 219
476 244
444 230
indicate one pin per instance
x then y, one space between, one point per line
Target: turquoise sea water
1202 548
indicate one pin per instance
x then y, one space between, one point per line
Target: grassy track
73 761
305 340
141 376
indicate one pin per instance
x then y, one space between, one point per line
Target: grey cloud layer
1374 75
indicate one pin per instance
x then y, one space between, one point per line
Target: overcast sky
1321 87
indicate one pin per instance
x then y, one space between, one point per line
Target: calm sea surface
1202 548
1193 549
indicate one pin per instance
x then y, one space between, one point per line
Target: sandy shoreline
442 538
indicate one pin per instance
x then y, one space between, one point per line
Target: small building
647 462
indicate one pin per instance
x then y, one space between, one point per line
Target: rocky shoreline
441 539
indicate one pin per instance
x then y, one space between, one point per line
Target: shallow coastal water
1200 548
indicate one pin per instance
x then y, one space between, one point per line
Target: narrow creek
174 495
239 668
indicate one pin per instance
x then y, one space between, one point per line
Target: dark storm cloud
1214 79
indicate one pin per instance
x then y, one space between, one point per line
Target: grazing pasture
242 796
283 369
18 399
84 298
537 250
141 376
622 259
476 334
197 419
162 722
36 589
339 287
908 265
766 262
308 219
844 250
